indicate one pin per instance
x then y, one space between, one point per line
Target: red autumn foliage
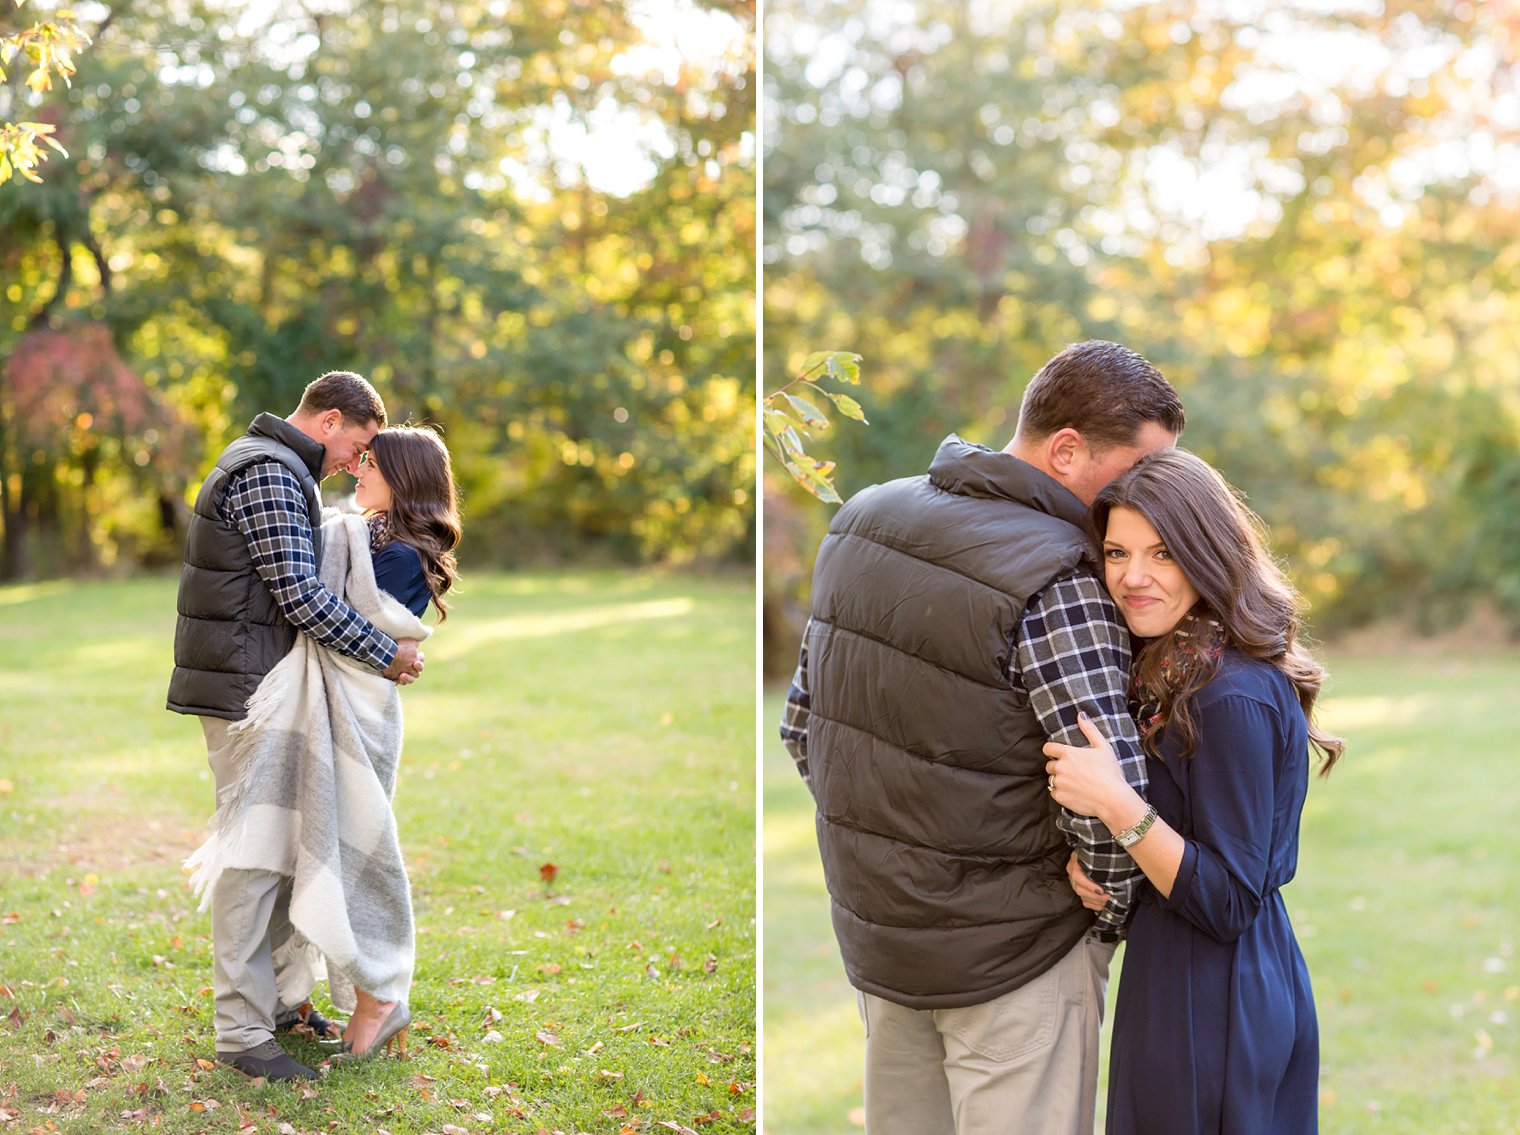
56 376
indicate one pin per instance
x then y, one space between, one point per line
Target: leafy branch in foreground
49 47
789 417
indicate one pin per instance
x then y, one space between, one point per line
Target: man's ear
1063 449
332 421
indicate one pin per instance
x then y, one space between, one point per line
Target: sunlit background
1306 215
532 224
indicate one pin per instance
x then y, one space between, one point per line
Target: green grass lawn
1407 904
599 722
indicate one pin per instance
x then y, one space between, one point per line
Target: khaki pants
250 923
1024 1062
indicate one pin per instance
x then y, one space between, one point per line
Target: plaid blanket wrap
316 765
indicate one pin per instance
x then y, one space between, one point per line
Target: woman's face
372 493
1152 593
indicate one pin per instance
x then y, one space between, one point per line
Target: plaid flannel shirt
266 504
1072 654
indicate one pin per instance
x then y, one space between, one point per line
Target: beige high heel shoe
393 1031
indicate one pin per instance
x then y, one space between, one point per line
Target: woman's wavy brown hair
1221 547
424 508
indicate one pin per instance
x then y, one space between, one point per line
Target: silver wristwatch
1131 836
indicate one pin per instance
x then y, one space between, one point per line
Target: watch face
1132 836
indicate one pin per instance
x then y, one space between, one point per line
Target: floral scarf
379 531
1197 641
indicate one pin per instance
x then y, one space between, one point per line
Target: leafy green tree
383 188
1299 214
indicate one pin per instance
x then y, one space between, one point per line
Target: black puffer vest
938 837
230 633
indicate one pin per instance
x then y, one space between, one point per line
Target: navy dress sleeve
398 572
1225 861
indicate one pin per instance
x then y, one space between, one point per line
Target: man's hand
407 664
1093 896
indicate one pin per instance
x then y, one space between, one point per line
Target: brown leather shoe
268 1060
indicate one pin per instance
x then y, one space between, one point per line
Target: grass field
1407 904
598 722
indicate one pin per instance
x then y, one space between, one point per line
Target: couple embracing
1048 697
295 631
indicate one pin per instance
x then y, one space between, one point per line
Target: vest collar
309 451
972 470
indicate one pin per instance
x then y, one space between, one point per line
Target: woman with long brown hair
407 491
1214 1028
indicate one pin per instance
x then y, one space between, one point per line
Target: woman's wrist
1127 810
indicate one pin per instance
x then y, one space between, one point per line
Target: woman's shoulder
399 553
399 572
1252 679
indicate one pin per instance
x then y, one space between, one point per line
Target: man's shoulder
263 468
1079 593
264 453
876 495
1073 621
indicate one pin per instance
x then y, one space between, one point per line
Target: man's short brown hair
345 391
1103 391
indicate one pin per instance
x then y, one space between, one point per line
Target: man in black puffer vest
249 585
958 623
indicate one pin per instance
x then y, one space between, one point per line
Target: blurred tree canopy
531 224
1304 214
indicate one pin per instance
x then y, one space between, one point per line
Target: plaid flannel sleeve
794 717
1074 655
265 503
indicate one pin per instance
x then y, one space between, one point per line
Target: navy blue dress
1214 1025
398 572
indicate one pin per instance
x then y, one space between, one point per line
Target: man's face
344 443
1093 471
